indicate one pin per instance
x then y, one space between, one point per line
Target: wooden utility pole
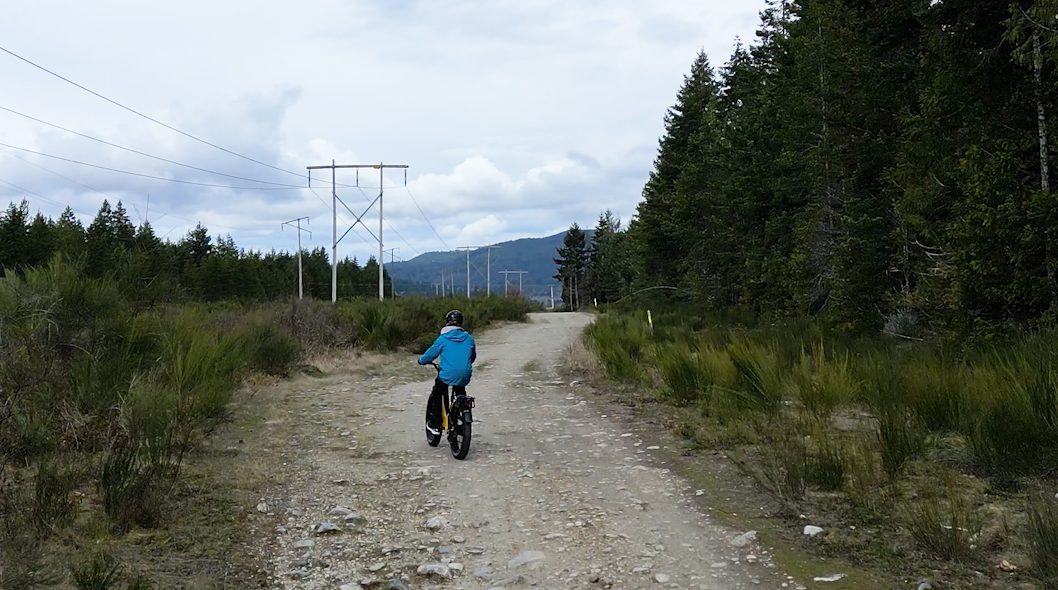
297 223
359 219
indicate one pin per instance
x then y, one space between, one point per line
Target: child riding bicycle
456 352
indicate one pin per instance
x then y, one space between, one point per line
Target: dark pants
434 407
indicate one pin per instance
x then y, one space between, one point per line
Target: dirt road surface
555 493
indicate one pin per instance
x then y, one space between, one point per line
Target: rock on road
554 493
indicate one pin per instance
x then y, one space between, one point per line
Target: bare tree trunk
1041 115
1045 173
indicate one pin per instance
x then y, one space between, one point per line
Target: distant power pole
297 223
359 219
505 274
391 252
468 249
488 270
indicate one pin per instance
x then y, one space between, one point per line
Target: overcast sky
515 117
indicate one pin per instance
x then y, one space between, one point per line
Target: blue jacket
457 352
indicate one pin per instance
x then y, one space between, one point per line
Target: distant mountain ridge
422 274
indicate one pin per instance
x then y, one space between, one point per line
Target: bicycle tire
461 440
431 439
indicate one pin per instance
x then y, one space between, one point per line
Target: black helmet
454 317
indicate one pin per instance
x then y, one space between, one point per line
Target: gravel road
554 494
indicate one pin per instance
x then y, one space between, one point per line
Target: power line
426 218
167 126
164 214
242 188
135 112
34 164
39 196
159 158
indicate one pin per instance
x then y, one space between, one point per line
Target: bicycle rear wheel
459 436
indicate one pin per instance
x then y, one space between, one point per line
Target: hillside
422 274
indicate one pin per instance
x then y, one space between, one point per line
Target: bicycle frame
448 401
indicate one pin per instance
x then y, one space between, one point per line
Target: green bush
274 351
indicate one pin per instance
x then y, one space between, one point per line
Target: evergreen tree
100 245
608 265
122 228
42 241
70 235
572 264
198 244
659 229
14 237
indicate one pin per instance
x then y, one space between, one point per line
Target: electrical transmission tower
488 266
505 274
359 219
297 223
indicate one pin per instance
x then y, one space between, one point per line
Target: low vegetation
947 458
104 404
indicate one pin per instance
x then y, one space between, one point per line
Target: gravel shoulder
555 493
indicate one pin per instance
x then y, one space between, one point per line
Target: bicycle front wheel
433 433
460 435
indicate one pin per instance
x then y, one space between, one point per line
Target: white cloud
516 118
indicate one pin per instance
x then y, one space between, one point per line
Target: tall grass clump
760 374
823 384
53 505
1013 425
936 388
865 479
829 463
945 526
682 373
695 374
1043 539
101 572
620 344
901 437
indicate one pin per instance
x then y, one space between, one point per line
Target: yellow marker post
650 321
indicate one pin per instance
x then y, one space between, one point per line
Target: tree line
880 163
152 270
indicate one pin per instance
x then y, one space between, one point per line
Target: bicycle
456 420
